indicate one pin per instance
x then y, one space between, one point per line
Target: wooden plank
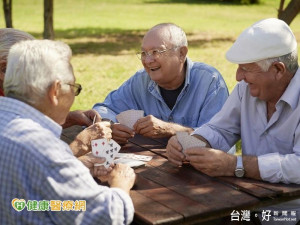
249 187
149 212
195 201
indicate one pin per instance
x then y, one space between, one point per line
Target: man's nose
240 75
149 59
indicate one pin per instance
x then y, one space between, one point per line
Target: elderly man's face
262 85
164 69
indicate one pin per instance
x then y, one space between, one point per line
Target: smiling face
267 86
168 69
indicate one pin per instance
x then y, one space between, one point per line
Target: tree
290 12
7 8
48 20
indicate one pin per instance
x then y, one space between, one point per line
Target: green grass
105 34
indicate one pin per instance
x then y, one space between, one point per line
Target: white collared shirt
276 142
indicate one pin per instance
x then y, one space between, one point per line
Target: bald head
169 33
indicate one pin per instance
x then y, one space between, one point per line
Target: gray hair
33 66
289 60
175 33
10 36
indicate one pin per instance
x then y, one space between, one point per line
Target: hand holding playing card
129 117
150 126
174 151
89 160
121 133
188 141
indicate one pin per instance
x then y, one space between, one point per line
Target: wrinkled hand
82 118
174 151
82 143
89 160
122 176
150 126
121 133
211 161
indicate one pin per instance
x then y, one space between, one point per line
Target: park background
104 35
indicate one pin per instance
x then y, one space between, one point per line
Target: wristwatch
239 170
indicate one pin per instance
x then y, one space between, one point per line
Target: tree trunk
290 12
7 8
48 20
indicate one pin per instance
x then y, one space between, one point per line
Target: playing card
106 149
99 146
130 162
114 147
129 117
145 158
188 141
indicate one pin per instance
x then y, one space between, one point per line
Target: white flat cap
265 39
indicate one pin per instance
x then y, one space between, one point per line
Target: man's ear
54 91
280 69
183 53
2 69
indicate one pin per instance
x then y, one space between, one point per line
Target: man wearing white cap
263 111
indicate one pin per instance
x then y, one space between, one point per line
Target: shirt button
171 118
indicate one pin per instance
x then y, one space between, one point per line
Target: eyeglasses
155 53
76 88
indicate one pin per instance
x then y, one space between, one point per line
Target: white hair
174 33
289 60
10 36
33 66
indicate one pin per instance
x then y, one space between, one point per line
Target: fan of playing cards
110 151
107 149
129 117
188 141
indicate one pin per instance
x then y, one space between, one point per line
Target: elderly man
35 164
175 93
263 110
10 36
80 145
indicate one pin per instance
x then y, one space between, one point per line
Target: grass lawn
105 34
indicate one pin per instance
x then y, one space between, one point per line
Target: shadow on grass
100 41
203 2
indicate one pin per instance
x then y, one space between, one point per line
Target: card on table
107 149
129 117
188 141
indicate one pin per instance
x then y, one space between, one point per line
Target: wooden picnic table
166 194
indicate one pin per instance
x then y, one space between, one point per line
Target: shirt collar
292 92
189 66
24 110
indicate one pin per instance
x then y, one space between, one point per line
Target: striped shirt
35 165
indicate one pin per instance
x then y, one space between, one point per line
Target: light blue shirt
202 96
276 142
36 165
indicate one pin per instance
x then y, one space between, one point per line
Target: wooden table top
166 194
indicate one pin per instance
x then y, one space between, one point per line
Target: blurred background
105 34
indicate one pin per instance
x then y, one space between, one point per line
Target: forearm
172 128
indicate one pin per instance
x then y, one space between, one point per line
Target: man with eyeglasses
36 166
175 93
80 145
